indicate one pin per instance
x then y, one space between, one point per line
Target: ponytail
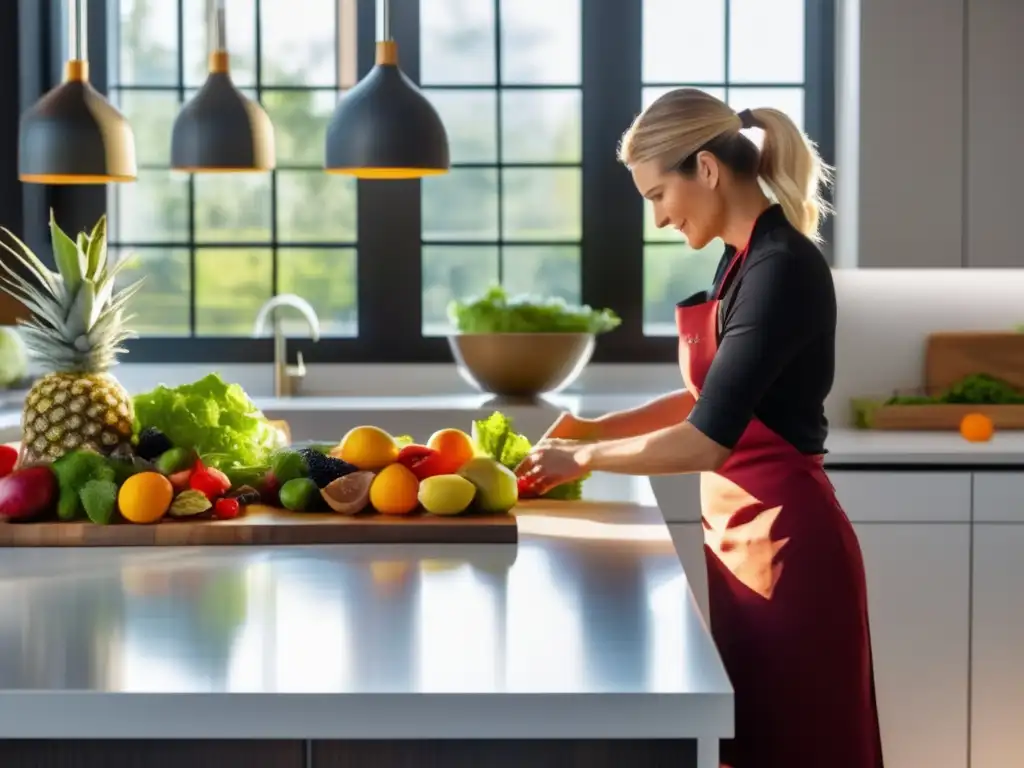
793 171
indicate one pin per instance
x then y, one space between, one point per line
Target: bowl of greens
523 346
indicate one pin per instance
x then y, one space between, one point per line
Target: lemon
367 448
446 494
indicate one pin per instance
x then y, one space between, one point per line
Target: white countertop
327 418
587 628
421 415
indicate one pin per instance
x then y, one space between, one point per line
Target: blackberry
152 442
323 469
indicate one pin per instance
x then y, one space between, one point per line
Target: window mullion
612 245
388 272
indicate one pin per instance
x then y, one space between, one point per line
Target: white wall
885 316
930 104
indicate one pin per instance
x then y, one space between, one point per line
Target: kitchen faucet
286 377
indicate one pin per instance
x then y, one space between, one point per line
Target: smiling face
689 202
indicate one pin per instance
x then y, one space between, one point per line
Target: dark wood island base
484 753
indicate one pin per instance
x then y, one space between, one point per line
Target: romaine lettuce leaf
495 437
212 417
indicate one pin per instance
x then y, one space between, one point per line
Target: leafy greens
495 437
212 417
496 312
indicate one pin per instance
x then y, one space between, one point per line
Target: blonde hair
686 120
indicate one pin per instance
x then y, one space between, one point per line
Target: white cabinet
997 661
904 497
914 530
997 621
918 577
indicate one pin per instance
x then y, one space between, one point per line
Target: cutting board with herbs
964 373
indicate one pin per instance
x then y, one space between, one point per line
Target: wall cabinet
995 70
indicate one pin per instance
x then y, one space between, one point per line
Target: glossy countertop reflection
592 603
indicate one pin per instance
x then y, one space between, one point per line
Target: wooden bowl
521 364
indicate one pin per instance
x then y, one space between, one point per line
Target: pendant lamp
384 127
73 135
220 130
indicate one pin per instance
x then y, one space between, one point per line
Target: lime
298 494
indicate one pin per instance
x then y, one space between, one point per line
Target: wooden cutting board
951 356
263 525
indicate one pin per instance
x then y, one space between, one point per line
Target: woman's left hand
551 463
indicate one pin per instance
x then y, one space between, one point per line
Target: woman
757 354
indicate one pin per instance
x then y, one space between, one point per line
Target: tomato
226 509
423 462
209 481
526 487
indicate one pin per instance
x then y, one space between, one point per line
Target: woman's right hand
571 427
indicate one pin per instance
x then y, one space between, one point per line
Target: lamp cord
216 25
386 20
78 13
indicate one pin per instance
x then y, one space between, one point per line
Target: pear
497 490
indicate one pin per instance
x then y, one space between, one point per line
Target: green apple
496 488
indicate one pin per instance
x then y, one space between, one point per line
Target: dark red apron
787 594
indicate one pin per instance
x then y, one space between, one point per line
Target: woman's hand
551 463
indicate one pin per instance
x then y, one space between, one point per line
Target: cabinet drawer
999 497
904 497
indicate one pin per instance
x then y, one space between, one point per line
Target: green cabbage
215 419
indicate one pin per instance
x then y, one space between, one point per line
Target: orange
455 447
145 497
367 448
395 491
977 427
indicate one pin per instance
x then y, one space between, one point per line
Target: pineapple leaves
32 264
81 311
96 251
70 259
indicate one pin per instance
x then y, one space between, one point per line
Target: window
750 54
506 81
535 95
214 247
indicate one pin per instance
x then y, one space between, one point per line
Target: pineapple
74 334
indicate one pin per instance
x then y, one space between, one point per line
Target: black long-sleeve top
776 348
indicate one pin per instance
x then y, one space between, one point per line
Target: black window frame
389 213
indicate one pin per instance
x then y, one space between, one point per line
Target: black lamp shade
222 130
73 135
385 128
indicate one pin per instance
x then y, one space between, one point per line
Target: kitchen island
581 646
